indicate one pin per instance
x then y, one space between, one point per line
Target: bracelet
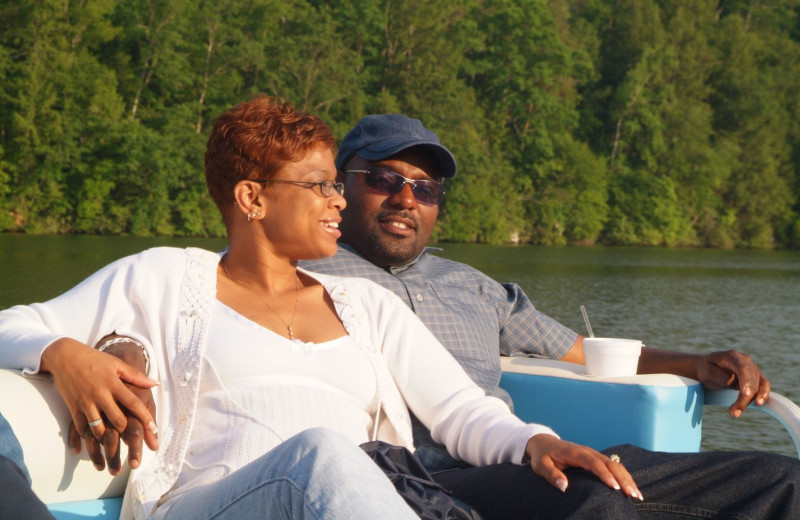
123 339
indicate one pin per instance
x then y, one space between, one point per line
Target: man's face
389 229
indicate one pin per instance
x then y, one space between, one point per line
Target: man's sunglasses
386 181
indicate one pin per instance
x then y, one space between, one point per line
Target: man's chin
391 253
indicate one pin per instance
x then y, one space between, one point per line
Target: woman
259 361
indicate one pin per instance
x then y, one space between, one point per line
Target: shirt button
419 297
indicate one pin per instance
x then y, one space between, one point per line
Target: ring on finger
615 458
95 423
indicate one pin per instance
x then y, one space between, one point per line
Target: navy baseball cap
380 136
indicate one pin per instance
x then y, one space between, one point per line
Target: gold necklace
288 326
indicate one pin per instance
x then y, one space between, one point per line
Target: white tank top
258 388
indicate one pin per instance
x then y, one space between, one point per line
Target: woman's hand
550 455
93 386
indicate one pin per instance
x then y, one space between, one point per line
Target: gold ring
97 422
614 458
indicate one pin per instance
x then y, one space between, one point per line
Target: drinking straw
586 319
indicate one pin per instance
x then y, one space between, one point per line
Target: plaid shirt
473 316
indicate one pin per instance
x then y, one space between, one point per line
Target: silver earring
252 216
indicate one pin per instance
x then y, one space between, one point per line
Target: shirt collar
395 269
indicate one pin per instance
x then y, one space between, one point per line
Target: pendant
291 332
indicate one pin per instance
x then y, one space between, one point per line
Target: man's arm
575 353
717 370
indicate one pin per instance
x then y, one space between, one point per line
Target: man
393 170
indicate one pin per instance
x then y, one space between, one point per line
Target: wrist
51 354
661 361
128 350
534 444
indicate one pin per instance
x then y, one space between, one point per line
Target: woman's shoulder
356 285
335 280
164 260
167 253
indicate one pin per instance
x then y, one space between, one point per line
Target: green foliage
646 122
645 211
482 202
695 127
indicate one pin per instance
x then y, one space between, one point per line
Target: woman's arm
474 427
53 338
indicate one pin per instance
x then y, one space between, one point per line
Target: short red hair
254 139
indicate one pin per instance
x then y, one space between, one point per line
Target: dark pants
17 500
16 497
722 485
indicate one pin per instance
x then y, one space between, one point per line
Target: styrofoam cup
611 357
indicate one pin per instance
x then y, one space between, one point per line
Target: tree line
621 122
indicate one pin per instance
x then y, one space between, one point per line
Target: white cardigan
162 297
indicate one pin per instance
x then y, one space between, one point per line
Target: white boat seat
660 411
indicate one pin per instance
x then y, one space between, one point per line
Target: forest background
620 122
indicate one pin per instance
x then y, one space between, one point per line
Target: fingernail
152 427
561 484
616 484
635 493
747 390
156 383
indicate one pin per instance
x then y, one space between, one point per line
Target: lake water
687 300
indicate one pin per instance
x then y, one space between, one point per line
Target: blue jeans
317 474
10 448
723 485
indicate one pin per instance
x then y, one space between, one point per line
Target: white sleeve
473 426
86 313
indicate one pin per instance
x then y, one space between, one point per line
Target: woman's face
300 223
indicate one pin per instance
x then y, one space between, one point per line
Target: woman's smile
331 227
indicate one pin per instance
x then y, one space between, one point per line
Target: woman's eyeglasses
325 188
389 182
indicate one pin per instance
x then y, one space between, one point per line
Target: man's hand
133 437
735 370
717 370
550 456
